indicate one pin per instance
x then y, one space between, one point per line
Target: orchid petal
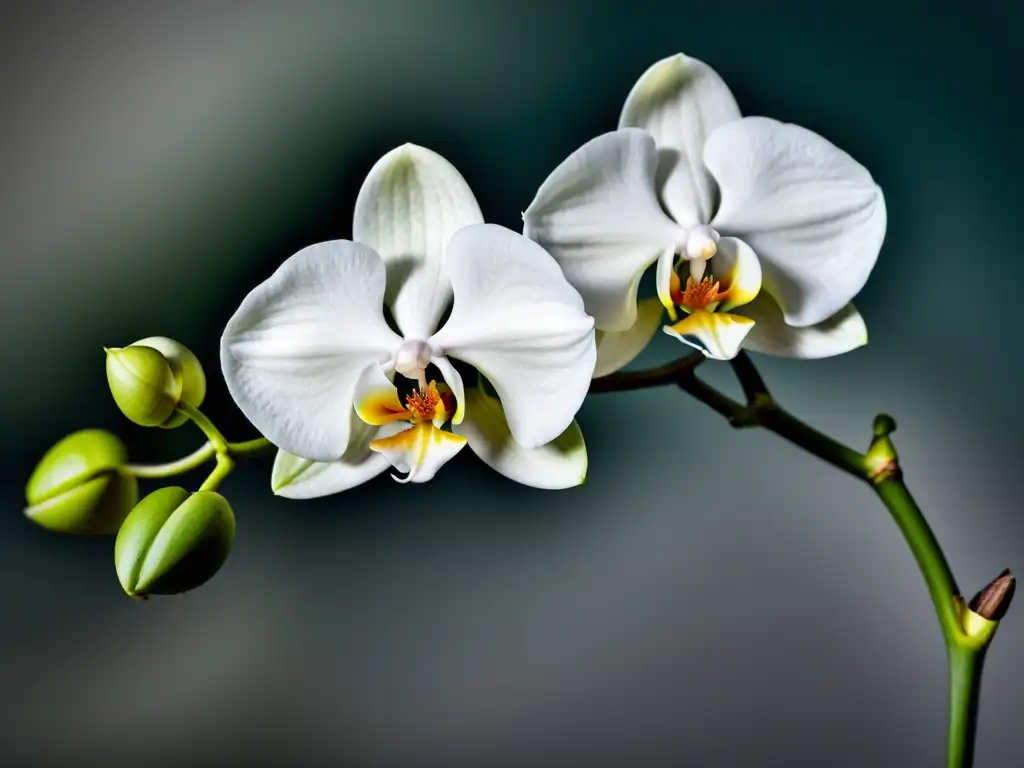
409 205
813 214
680 101
419 451
667 281
296 478
718 335
294 349
598 215
453 380
736 266
616 350
518 322
561 463
841 333
376 398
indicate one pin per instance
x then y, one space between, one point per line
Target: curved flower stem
879 468
927 552
213 434
217 446
656 377
250 449
153 471
223 468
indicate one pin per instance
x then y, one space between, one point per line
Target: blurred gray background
709 597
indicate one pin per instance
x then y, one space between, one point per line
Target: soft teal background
709 597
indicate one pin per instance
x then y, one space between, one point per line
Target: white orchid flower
311 360
774 228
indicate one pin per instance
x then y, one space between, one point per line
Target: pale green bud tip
143 384
187 371
79 487
173 541
881 461
884 425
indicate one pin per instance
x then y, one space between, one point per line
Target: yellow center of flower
698 294
423 406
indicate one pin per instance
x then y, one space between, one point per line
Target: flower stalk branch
216 447
656 377
173 468
967 629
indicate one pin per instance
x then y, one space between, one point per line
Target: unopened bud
173 541
80 487
881 459
994 600
150 377
186 369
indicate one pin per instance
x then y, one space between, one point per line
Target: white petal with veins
599 216
518 322
813 215
616 350
562 463
293 351
680 101
412 201
296 478
841 333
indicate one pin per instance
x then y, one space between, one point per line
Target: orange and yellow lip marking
413 445
406 440
381 407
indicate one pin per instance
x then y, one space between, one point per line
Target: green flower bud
142 384
173 541
79 486
187 371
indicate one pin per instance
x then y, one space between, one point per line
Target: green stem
790 428
217 446
153 471
250 449
223 468
213 434
964 686
880 470
927 552
770 415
